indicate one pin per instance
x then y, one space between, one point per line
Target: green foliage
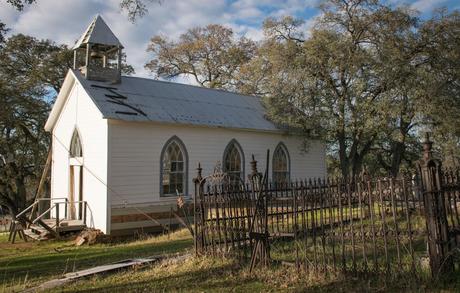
441 82
366 80
31 71
329 82
3 31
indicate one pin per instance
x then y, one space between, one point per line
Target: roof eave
83 45
273 131
67 85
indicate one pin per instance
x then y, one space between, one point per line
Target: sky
63 21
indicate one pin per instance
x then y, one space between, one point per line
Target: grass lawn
208 274
29 264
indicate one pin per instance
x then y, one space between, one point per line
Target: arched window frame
240 150
185 156
75 135
282 146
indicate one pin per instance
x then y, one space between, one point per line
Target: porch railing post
85 206
435 212
56 205
65 208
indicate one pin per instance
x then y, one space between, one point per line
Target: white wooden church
128 145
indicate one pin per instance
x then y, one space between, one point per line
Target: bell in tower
97 54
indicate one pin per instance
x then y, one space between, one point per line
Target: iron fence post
197 213
435 212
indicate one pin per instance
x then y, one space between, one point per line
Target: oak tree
334 84
211 55
27 70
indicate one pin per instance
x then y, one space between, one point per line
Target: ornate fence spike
198 177
254 165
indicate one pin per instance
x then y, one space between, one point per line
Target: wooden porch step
39 237
38 229
66 225
39 233
72 228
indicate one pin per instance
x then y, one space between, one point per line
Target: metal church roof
141 99
98 32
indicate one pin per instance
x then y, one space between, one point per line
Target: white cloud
61 21
254 33
8 14
425 6
65 20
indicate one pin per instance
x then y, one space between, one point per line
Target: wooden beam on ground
113 267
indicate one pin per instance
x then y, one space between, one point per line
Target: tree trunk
358 158
343 158
396 158
399 148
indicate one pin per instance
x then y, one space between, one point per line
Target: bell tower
98 52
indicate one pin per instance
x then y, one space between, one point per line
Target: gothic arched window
233 162
173 168
281 164
75 145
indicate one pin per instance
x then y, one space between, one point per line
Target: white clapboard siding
122 159
135 149
80 112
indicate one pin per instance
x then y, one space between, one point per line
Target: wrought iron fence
368 225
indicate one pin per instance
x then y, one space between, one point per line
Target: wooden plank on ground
69 277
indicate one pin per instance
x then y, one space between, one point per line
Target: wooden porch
60 218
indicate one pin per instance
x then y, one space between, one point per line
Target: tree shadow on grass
379 282
216 279
228 278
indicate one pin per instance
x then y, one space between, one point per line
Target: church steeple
102 53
